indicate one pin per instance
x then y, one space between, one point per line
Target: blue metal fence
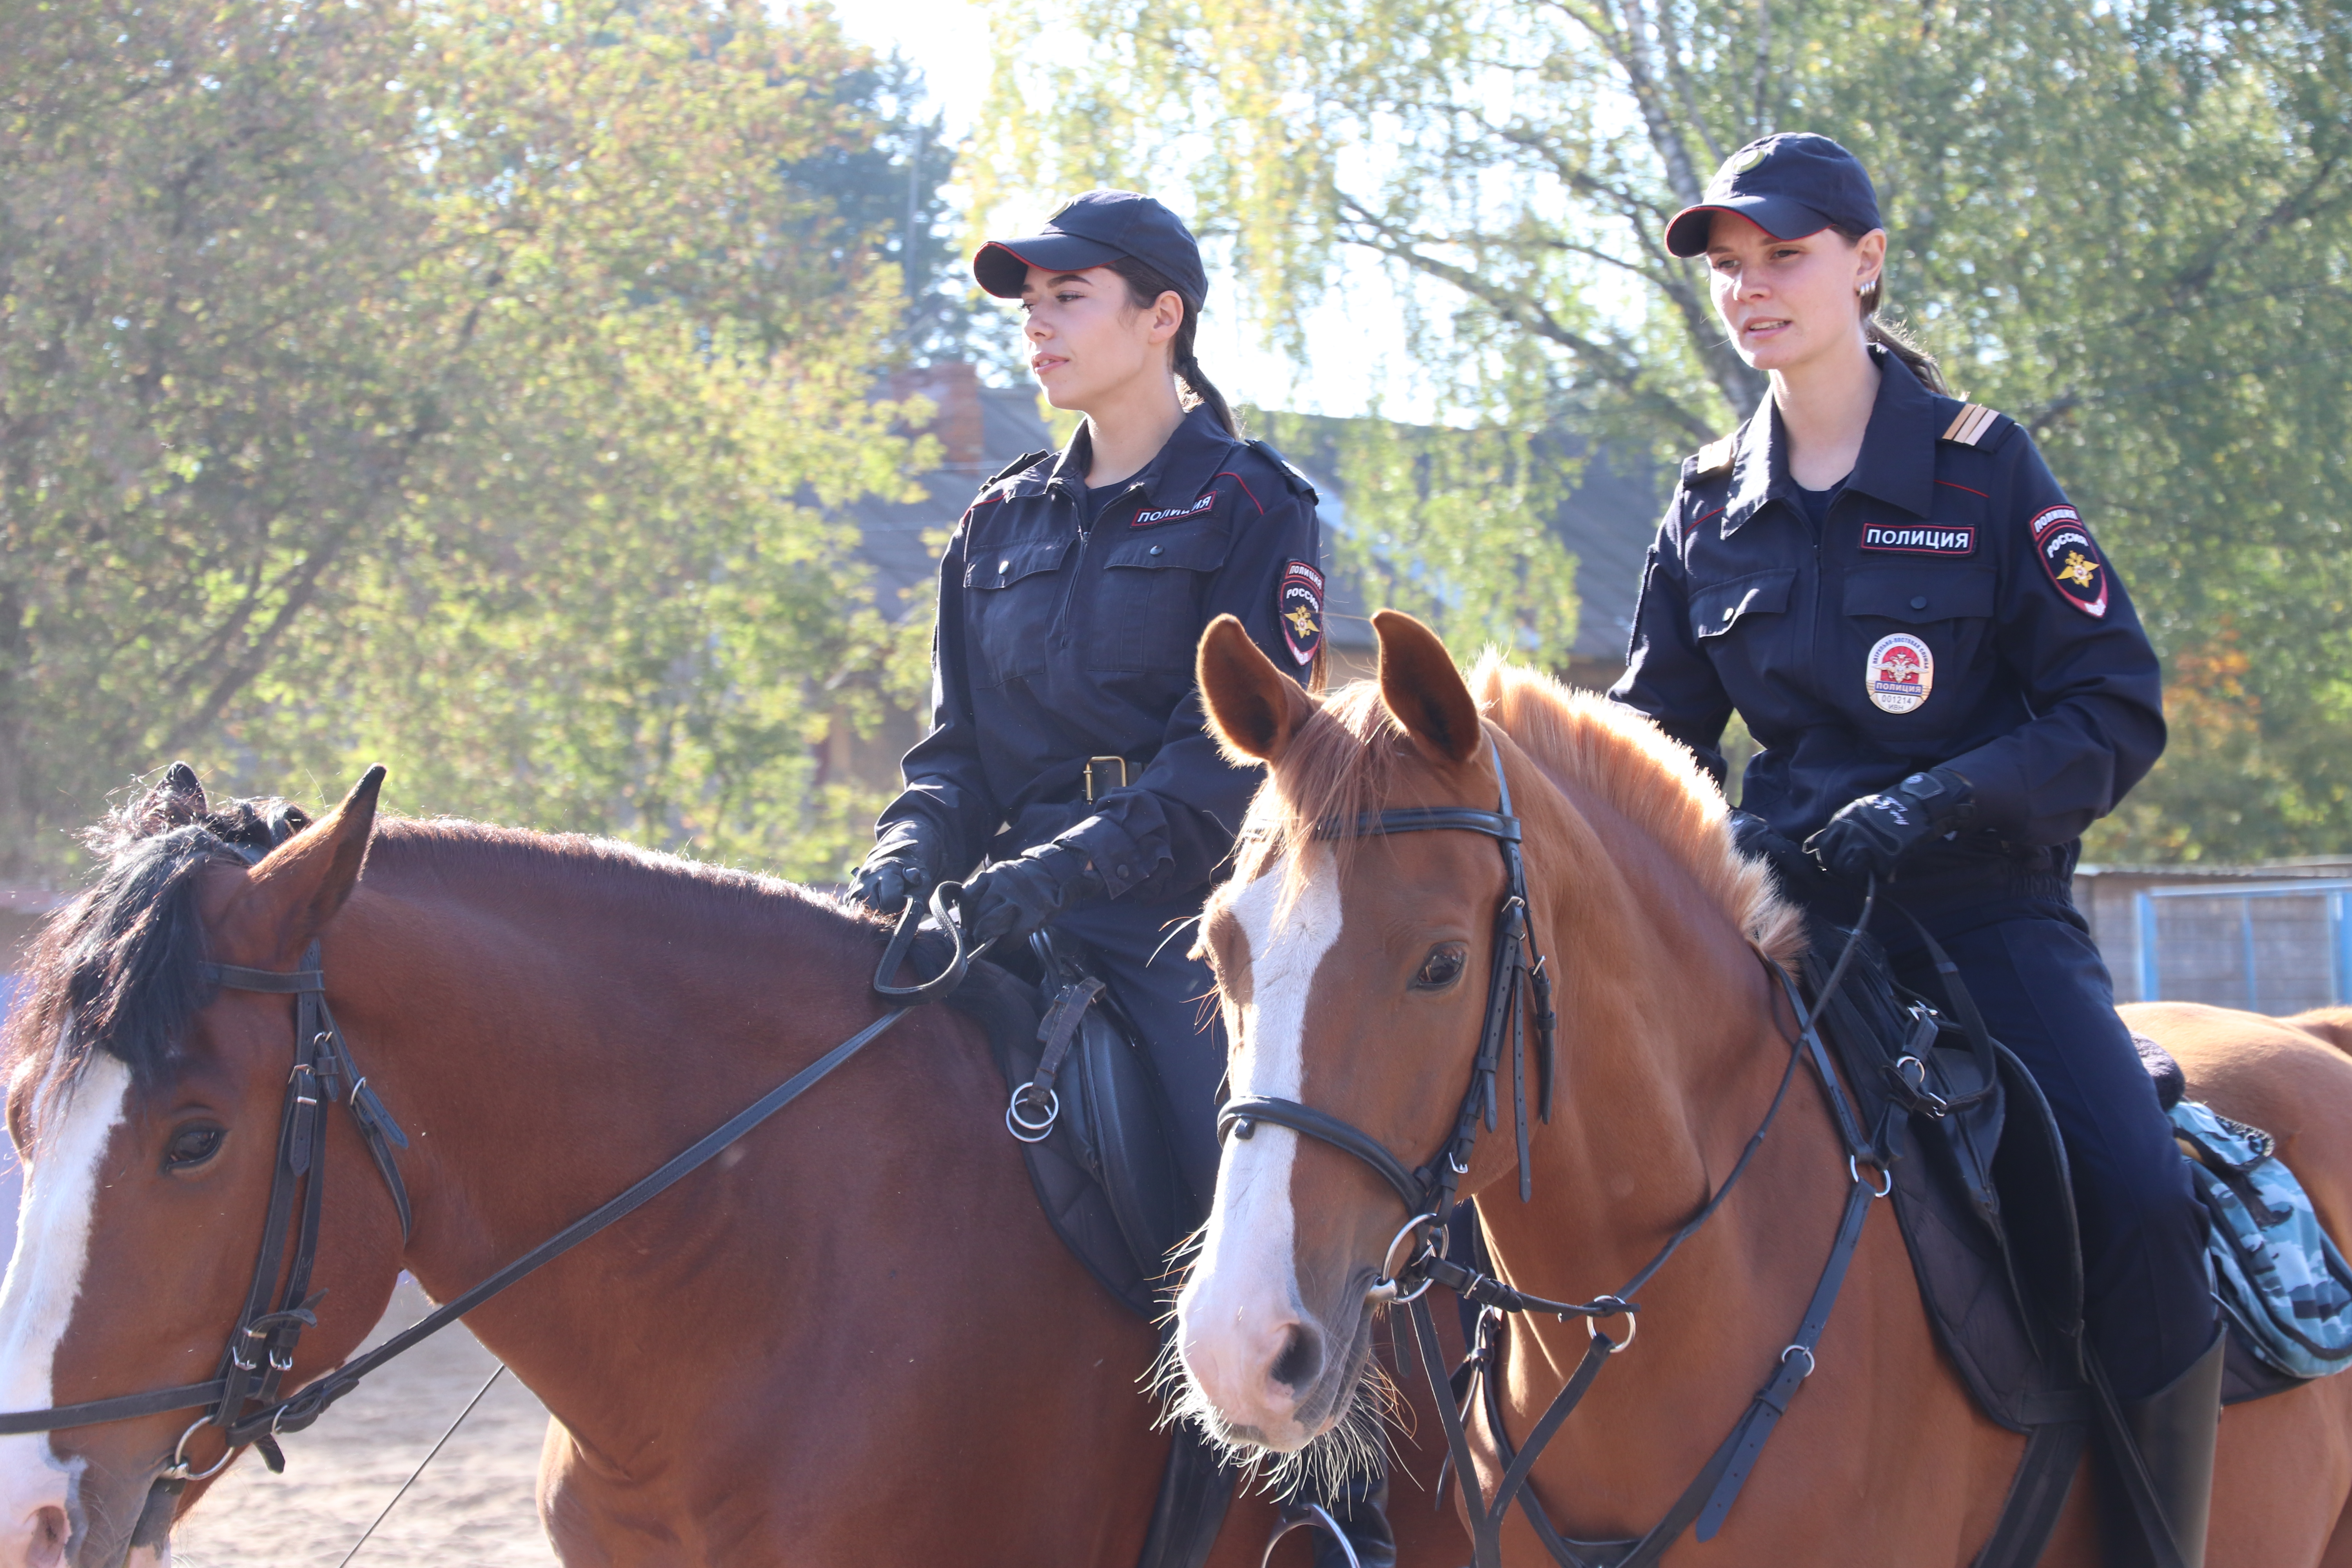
2273 947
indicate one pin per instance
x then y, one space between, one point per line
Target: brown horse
1352 975
851 1339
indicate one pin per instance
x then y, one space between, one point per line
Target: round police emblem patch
1298 603
1902 672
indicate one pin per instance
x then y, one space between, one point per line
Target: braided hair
1144 287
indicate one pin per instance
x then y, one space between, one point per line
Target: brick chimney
954 391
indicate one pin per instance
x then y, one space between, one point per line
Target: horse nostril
1301 1357
47 1547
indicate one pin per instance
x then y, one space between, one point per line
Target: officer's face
1089 343
1787 301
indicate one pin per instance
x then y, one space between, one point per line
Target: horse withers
851 1338
1351 969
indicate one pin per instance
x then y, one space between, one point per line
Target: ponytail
1892 338
1144 287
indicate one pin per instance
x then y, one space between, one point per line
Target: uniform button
1122 873
1155 550
1919 602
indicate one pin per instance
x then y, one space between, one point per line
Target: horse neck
1668 1054
547 1046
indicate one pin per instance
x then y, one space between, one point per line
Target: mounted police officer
1069 748
1948 684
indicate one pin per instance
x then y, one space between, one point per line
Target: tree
461 384
2128 225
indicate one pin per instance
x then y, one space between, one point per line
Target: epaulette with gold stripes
1971 425
1714 457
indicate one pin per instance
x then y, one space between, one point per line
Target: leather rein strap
1428 1194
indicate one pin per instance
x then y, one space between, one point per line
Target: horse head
145 1103
1353 972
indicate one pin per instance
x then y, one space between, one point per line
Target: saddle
1089 1115
1985 1203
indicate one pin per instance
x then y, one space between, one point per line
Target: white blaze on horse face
1241 1305
36 1302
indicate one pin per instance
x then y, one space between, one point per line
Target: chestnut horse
850 1339
1353 974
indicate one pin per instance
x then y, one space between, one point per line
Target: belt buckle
1092 764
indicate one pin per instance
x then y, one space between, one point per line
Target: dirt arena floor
471 1509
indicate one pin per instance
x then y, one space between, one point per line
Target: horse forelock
119 970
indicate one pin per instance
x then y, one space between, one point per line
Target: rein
1428 1193
260 1349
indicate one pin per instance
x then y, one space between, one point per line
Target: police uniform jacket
1952 610
1060 640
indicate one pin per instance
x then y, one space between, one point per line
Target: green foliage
2128 225
1448 525
459 385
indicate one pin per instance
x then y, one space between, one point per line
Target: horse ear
177 800
1421 686
296 889
1253 708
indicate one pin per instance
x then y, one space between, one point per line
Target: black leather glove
1013 898
1873 835
902 866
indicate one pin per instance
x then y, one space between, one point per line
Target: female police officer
1948 684
1067 742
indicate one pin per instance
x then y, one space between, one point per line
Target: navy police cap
1789 186
1093 230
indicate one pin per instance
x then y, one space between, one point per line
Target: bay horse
1352 969
850 1339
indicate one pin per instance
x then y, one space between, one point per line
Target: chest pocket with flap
1014 590
1153 600
1917 595
1717 607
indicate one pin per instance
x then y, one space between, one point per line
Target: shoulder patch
1714 457
1024 461
2074 565
1298 604
1299 483
1974 425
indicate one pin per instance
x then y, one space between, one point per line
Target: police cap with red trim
1093 230
1789 186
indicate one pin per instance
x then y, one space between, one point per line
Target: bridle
1519 983
1517 970
242 1399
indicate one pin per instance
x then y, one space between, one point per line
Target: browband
1421 819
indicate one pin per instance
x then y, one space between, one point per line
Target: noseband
1517 971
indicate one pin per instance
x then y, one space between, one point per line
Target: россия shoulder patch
1298 604
2076 567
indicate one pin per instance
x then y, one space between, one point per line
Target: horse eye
192 1146
1441 969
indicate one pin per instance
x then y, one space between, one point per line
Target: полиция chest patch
1920 538
1901 673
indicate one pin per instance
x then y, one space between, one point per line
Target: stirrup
1316 1517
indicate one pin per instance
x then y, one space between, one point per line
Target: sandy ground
473 1506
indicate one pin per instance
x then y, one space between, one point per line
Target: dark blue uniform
1067 631
1949 610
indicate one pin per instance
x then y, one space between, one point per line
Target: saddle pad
2281 1281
